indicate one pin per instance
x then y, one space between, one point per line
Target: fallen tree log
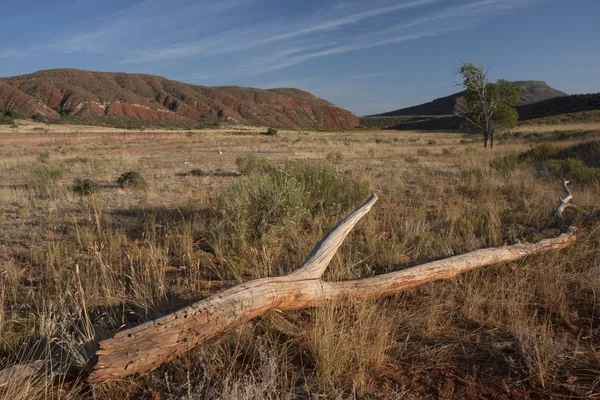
144 348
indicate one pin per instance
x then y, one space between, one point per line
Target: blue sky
365 56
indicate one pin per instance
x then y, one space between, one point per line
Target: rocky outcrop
85 96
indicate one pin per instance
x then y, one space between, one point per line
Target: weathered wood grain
143 348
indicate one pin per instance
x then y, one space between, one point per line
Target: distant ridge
574 103
125 99
531 92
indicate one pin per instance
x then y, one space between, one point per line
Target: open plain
84 254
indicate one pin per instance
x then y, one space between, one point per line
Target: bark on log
143 348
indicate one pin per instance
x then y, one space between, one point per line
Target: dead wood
144 348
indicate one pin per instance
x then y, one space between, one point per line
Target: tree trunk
143 348
492 140
486 140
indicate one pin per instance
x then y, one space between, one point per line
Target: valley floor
214 208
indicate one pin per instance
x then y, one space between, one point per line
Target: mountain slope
531 92
575 103
121 98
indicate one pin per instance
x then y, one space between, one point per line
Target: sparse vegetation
271 132
44 177
84 186
38 117
13 113
550 159
75 267
334 156
5 120
250 163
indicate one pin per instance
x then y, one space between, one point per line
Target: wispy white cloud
253 48
224 5
13 52
348 20
453 18
248 39
95 42
363 77
109 32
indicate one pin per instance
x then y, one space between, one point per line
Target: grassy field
83 256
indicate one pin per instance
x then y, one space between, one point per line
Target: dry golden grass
75 269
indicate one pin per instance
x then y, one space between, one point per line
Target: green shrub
84 186
5 120
263 204
269 203
328 190
38 117
539 153
588 152
423 152
271 132
573 170
251 163
131 179
13 113
431 142
577 163
44 177
411 159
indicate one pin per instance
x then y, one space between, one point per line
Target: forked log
143 348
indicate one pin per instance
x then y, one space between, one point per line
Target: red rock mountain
138 99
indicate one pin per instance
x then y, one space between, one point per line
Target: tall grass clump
251 163
45 174
349 343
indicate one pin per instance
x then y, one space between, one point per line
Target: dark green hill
531 92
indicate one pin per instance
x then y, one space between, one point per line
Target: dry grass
78 268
